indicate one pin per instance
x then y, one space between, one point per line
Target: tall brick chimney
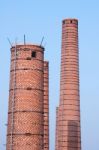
26 98
69 134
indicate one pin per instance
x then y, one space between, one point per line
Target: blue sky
38 18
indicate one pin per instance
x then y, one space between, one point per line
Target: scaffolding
13 98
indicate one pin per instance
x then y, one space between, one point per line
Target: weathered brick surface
69 113
26 99
46 105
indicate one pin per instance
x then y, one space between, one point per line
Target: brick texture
26 98
69 131
46 105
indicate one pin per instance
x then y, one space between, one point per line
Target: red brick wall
46 105
69 114
26 87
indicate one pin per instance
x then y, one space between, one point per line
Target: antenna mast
42 41
24 40
9 42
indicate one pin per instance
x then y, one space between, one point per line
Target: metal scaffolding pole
13 100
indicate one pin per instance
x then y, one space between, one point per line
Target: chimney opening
64 22
33 54
28 58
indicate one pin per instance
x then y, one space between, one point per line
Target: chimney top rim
70 19
28 45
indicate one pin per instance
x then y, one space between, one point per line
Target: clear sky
38 18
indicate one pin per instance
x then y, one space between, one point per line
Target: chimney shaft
69 112
25 116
